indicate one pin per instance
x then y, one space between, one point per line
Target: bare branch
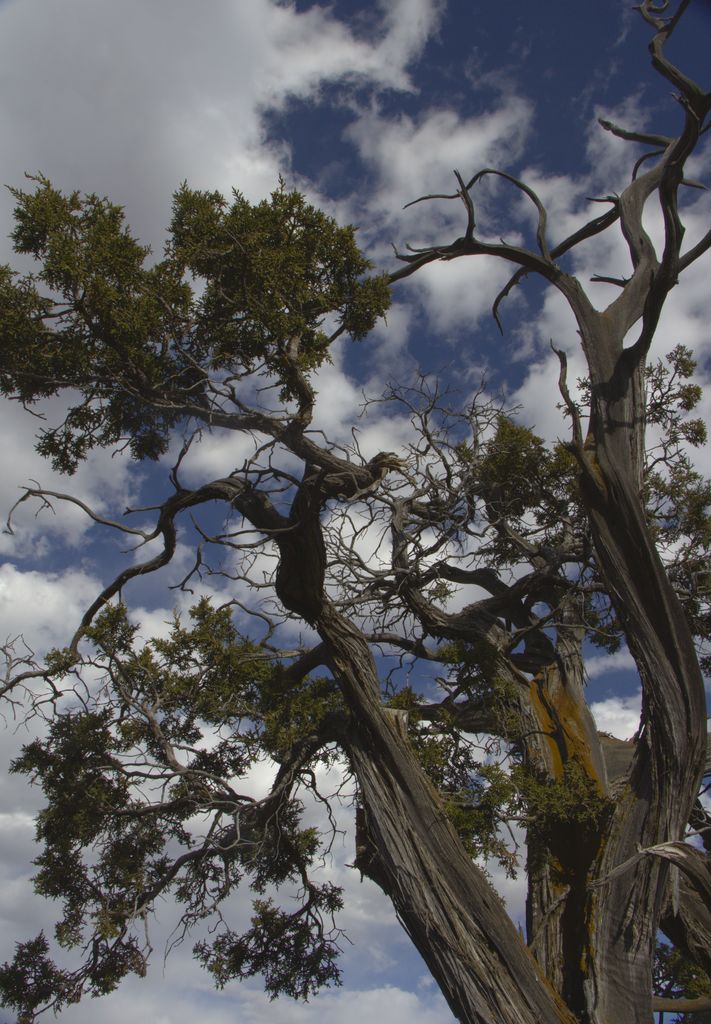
589 230
698 1005
527 190
44 494
570 405
632 136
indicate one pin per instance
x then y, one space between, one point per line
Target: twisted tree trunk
447 906
666 771
445 903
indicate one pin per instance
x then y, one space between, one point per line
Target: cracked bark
444 902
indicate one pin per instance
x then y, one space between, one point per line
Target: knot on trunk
302 562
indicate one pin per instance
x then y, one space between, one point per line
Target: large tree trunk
656 803
447 906
619 911
453 916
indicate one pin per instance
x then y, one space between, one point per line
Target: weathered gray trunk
594 942
592 927
454 918
656 802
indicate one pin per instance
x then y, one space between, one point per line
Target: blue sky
363 106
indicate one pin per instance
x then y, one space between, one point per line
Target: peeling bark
666 771
444 902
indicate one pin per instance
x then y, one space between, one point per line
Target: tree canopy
451 591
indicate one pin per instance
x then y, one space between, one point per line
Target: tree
144 739
676 976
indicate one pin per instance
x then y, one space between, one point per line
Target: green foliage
483 790
573 801
195 711
106 321
678 497
477 796
134 340
141 781
524 489
272 272
31 981
291 951
145 775
521 477
474 674
676 977
292 712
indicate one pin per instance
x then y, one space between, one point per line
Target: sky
364 107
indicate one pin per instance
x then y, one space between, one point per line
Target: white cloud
610 158
561 196
618 715
106 481
458 296
177 1003
539 398
687 311
339 400
601 664
214 454
44 608
129 99
178 990
386 346
410 157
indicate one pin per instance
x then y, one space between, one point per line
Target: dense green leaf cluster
272 273
291 952
477 791
549 805
146 771
484 788
142 779
140 346
94 317
526 483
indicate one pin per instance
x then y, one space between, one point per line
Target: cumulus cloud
177 990
179 1004
408 157
611 158
618 715
129 99
107 482
44 608
601 664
